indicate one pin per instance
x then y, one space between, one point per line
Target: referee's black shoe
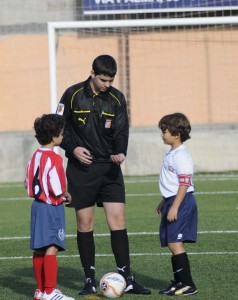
132 287
89 287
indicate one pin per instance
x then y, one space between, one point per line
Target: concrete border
213 148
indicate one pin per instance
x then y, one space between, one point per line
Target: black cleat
88 288
185 290
179 289
132 287
170 289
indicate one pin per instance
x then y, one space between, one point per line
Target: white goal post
178 22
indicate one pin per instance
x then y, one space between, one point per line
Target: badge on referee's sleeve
60 109
108 123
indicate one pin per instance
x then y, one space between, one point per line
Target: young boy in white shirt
178 207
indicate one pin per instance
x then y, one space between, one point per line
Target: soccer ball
112 285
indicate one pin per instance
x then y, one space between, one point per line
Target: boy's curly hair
48 126
176 123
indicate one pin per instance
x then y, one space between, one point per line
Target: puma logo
121 269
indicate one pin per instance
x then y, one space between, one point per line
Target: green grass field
213 259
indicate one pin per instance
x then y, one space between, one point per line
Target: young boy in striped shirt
46 183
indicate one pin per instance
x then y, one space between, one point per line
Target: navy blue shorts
96 183
47 226
184 229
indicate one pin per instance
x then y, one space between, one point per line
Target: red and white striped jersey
46 179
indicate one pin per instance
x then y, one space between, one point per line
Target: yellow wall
187 71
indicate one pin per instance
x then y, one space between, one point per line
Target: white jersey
177 169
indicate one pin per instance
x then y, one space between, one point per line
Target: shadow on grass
22 281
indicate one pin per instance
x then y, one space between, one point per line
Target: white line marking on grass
7 186
138 195
216 193
196 193
218 231
196 177
132 254
129 233
200 177
16 199
158 254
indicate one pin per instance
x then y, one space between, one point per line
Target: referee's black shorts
96 183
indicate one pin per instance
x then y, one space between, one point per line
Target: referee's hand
83 155
118 158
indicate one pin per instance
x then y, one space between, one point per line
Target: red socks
46 269
38 262
50 271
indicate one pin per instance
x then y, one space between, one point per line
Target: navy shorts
47 226
184 229
96 183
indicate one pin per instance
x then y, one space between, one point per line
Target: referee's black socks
120 249
86 248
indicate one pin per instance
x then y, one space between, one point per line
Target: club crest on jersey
60 109
108 123
61 234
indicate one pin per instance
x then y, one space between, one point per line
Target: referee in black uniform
95 141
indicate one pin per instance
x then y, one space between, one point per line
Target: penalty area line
133 195
132 254
129 233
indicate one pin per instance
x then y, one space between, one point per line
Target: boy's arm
68 197
173 211
68 143
160 206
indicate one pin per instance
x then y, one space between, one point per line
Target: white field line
132 254
196 193
200 177
138 195
129 233
195 178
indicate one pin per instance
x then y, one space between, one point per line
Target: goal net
164 65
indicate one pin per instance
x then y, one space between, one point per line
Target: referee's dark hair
105 65
48 126
177 124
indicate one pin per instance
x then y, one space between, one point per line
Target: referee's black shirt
97 122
